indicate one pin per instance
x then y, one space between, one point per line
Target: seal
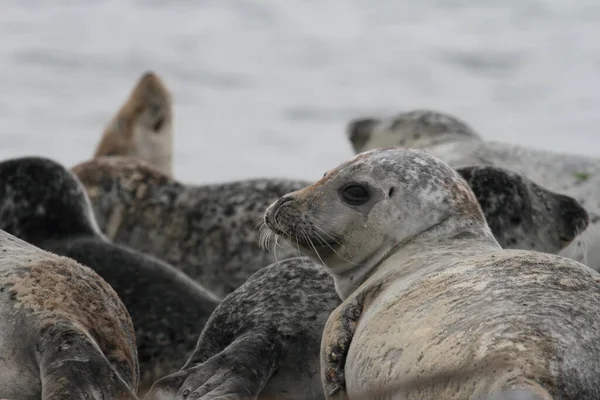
263 340
44 204
64 333
209 231
426 287
447 137
143 126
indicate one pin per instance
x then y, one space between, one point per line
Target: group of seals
427 288
143 127
455 142
65 334
209 231
44 204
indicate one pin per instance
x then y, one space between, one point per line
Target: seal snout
359 131
575 218
271 216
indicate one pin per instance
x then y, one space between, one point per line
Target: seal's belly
478 324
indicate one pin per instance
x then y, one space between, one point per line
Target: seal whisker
313 246
320 238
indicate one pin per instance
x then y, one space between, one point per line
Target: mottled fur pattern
427 288
263 339
452 140
208 231
65 332
44 204
522 214
143 127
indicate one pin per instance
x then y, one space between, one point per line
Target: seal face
208 231
44 203
522 214
447 137
427 289
143 127
65 333
262 340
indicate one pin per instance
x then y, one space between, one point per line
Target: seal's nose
575 217
359 131
271 212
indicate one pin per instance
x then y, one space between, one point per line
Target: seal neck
435 246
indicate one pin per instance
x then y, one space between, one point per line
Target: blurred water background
265 87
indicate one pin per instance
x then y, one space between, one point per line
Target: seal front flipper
72 366
240 371
337 337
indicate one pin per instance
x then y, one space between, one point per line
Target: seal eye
355 194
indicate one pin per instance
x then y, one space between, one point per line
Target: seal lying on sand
209 231
262 339
455 142
427 288
64 333
43 203
239 334
143 127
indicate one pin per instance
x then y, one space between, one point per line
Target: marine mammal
427 288
457 143
43 203
263 340
64 332
143 126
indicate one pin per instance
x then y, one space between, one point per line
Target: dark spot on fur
391 192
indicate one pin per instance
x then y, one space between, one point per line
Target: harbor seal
454 141
143 126
64 332
262 341
43 203
426 287
209 231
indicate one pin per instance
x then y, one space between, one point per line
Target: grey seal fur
454 141
426 287
64 332
209 231
262 341
44 204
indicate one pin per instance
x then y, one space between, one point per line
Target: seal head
417 128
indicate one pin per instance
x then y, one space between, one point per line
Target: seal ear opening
158 124
391 192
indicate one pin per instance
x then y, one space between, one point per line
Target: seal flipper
337 337
72 366
240 371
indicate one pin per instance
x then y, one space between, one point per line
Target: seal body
428 290
143 126
64 333
43 203
262 340
452 140
208 231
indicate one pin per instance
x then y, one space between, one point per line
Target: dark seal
44 203
263 339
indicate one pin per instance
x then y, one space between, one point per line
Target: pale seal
64 332
262 340
143 126
209 231
44 203
457 143
427 288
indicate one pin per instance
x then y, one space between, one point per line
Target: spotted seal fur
143 126
64 332
209 231
262 341
457 143
426 287
43 203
